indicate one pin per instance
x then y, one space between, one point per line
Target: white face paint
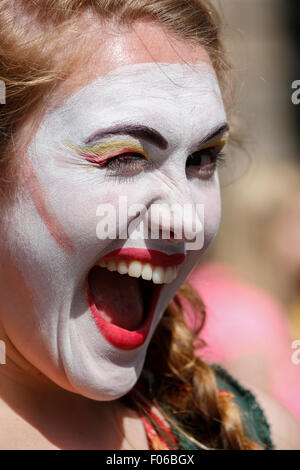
52 232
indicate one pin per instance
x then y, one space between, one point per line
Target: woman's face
119 132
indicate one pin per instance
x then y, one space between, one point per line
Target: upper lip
154 257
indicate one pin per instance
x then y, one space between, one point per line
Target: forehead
155 94
139 74
103 48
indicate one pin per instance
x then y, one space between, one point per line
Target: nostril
174 238
164 233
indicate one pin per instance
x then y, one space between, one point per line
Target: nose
176 218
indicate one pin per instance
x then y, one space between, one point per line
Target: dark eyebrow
147 133
216 132
150 134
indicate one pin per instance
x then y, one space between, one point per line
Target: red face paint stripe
44 209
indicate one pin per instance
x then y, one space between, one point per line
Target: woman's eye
126 163
204 162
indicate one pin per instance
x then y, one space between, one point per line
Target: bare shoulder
285 428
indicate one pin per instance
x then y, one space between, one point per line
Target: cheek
67 206
212 218
44 208
16 302
208 195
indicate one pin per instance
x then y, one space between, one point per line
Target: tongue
117 297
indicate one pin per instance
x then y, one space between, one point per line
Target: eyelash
122 161
217 159
124 167
130 164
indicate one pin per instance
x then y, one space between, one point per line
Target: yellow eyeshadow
216 143
107 148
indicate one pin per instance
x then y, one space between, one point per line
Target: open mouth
123 295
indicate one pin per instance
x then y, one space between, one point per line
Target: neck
64 418
17 370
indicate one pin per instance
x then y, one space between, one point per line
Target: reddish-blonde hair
29 47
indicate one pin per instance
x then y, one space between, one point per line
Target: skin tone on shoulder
60 386
285 429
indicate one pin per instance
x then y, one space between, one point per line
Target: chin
103 343
103 374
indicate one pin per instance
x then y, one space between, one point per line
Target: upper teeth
158 274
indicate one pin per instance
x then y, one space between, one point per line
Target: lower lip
119 337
